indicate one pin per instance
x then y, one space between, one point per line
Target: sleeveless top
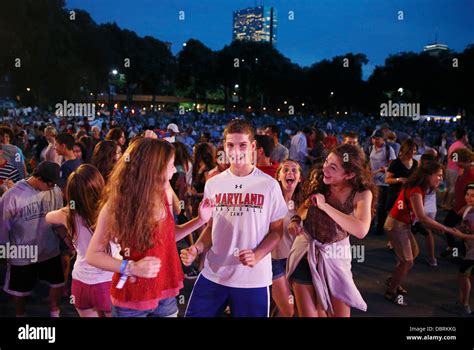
170 275
82 271
321 227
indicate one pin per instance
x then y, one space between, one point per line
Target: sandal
400 289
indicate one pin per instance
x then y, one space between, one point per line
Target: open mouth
290 181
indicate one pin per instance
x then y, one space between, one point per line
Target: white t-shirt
282 250
430 202
245 207
82 271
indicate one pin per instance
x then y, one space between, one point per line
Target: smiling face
239 149
289 175
333 171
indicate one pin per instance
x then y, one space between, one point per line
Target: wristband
123 277
121 281
127 271
123 266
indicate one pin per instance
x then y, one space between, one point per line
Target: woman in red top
409 205
136 213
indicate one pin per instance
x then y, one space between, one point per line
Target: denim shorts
278 268
166 308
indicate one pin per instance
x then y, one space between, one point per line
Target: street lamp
114 72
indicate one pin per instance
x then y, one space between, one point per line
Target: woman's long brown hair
83 193
420 178
103 157
135 193
356 164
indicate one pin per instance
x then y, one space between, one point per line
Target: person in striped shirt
8 173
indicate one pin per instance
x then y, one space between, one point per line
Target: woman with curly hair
340 199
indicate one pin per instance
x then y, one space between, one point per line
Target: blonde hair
51 131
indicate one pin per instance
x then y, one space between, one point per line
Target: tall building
255 24
435 49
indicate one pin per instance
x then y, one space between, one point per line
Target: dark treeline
64 55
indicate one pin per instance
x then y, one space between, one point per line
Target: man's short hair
266 142
240 126
66 139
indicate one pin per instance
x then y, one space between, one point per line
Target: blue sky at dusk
321 28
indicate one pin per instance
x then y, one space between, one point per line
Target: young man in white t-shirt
245 227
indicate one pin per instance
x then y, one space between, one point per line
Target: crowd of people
121 210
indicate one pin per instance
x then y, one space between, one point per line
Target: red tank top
170 276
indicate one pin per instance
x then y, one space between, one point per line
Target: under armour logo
238 186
